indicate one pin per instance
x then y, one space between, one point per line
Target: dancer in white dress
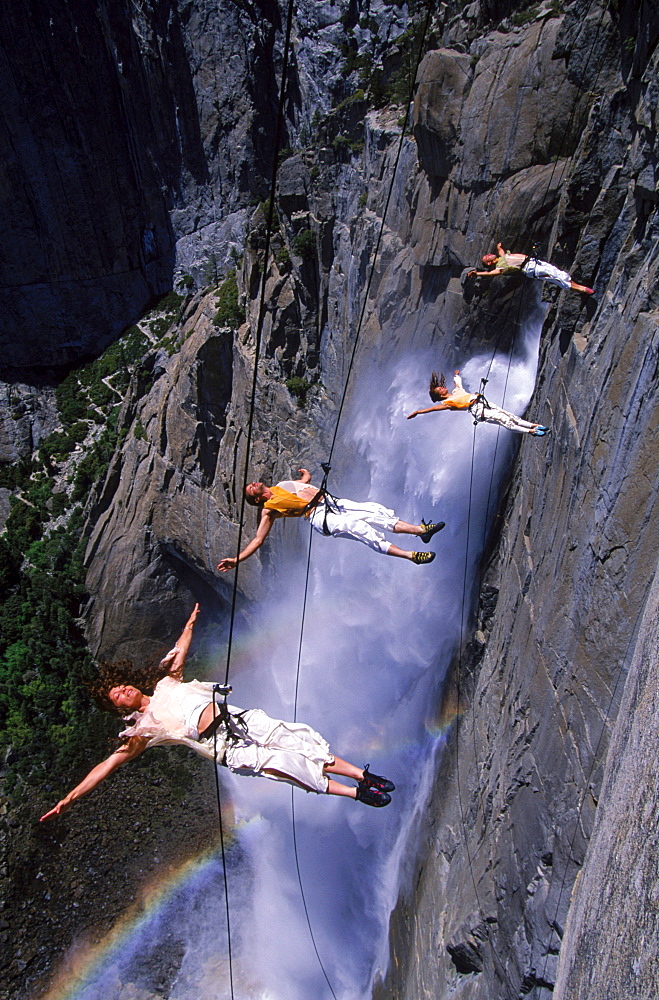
247 742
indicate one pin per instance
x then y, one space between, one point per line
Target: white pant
296 751
546 272
495 415
362 521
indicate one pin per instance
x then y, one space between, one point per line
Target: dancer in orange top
363 521
477 405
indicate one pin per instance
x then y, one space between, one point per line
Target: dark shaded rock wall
132 138
65 886
125 126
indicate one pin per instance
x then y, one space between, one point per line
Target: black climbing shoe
372 796
430 530
371 780
421 558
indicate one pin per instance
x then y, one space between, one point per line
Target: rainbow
85 960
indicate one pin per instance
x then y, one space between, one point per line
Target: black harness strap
322 496
235 725
480 398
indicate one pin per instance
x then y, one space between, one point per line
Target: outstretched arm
429 409
501 251
132 749
266 522
458 380
487 274
183 646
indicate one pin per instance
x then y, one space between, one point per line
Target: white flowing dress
292 749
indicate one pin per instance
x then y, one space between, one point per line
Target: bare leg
337 788
401 553
403 528
581 288
340 766
333 787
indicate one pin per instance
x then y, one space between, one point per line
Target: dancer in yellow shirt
478 406
362 521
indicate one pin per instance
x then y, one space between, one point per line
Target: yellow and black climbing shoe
430 529
421 558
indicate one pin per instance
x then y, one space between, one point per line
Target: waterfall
379 635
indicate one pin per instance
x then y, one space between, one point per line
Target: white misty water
379 635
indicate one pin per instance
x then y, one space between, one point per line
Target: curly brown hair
436 382
124 672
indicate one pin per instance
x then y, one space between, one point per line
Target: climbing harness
480 399
329 501
233 723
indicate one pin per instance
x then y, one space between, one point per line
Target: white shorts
361 521
296 751
543 271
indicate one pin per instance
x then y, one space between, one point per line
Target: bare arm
266 522
429 409
130 751
487 274
501 251
305 476
183 646
458 381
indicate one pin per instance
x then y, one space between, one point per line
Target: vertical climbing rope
257 347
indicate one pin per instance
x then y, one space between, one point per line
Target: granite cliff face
536 133
569 155
520 781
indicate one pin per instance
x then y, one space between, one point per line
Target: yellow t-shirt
459 400
286 504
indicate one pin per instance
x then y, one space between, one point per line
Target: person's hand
193 616
60 808
304 472
413 414
470 274
457 371
226 564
